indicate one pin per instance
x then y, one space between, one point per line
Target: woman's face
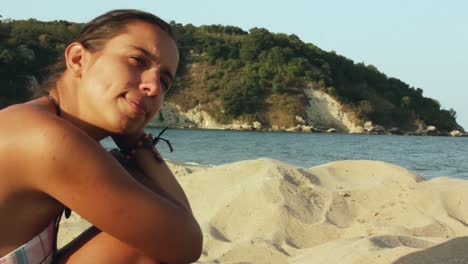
123 85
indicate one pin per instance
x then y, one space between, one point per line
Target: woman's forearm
158 177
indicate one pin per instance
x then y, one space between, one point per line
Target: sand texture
267 211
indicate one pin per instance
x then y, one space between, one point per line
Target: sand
267 211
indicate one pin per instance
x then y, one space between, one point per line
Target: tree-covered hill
234 74
26 49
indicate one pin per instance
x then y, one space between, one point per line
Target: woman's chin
131 127
128 123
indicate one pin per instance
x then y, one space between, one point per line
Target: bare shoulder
27 118
31 137
32 128
46 141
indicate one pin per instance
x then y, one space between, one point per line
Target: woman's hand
137 174
125 141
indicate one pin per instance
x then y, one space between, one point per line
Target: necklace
56 104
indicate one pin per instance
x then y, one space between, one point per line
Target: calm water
428 156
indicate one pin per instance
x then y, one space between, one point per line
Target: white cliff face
202 119
324 110
171 115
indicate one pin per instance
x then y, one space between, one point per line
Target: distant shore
307 129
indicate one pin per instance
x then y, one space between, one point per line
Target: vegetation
231 73
26 49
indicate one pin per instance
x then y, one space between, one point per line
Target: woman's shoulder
37 143
28 131
28 112
35 126
30 117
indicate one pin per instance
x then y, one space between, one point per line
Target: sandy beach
267 211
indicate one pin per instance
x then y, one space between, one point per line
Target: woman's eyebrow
146 52
153 58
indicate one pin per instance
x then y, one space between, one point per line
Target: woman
112 81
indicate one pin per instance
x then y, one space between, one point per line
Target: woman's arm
154 173
78 172
82 248
160 179
156 170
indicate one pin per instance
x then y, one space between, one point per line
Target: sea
426 155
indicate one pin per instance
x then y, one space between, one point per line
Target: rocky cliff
322 112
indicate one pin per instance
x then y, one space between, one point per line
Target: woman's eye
138 61
164 85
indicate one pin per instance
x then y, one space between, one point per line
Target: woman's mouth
137 107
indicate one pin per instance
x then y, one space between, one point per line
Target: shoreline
312 132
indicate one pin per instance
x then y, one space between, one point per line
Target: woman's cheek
157 106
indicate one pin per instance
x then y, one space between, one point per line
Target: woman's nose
150 84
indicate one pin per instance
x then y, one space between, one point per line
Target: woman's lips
137 107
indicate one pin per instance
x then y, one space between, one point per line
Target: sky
424 43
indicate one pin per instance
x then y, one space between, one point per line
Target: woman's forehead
148 39
146 33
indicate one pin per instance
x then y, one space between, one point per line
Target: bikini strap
55 259
58 111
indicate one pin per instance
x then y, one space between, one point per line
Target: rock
246 126
236 127
331 130
323 109
170 116
379 129
431 131
307 129
300 120
413 134
319 129
420 131
275 128
293 129
456 133
357 130
257 125
368 126
395 131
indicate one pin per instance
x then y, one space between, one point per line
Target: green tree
405 101
242 97
278 85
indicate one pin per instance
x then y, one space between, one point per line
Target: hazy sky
421 42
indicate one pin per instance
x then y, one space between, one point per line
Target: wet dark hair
94 35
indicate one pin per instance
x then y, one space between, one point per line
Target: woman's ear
74 58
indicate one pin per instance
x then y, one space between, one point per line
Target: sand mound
266 211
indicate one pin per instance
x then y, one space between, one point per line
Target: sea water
427 156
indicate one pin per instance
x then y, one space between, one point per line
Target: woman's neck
94 132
